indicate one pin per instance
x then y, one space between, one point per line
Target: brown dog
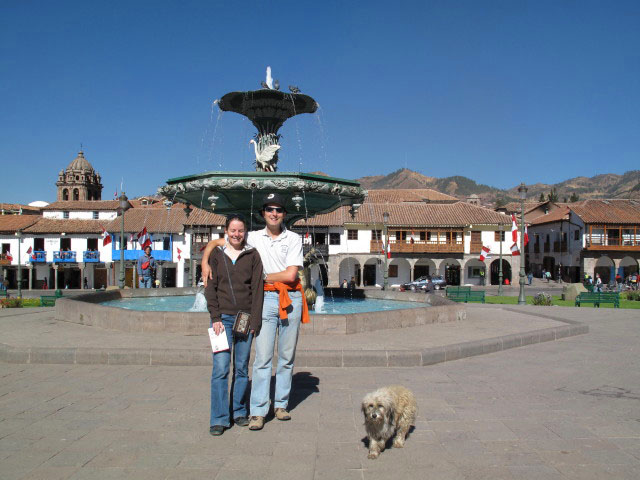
387 412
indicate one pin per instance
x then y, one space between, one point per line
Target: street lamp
500 267
385 220
522 190
19 235
124 206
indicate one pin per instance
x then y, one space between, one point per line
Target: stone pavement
567 409
34 336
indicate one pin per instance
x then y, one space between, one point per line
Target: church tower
79 181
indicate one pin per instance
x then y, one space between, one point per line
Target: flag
32 255
388 250
115 195
514 228
179 252
106 238
143 239
514 250
526 235
484 253
9 256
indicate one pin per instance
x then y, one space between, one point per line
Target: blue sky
499 91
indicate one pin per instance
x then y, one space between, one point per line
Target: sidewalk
34 336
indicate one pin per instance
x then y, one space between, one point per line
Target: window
401 235
576 235
65 244
65 214
76 194
65 194
95 215
334 239
499 236
38 244
166 241
320 238
92 244
474 272
352 234
376 235
393 271
423 236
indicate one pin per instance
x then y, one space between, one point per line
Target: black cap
273 199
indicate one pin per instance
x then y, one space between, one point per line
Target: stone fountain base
86 310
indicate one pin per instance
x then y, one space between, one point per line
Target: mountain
607 185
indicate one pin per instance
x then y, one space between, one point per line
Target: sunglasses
274 209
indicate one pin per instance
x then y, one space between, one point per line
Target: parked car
417 284
437 282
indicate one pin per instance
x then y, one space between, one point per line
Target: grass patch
557 300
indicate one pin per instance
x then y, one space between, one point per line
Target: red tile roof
560 213
161 220
88 205
608 211
56 225
12 223
408 195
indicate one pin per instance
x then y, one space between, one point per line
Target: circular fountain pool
332 306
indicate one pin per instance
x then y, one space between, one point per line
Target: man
283 308
146 267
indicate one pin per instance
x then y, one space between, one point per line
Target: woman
237 285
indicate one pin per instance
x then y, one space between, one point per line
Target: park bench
454 290
597 298
466 296
48 300
3 293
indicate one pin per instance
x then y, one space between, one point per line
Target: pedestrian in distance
146 266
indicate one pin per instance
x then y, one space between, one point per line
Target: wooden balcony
613 237
475 248
4 260
419 246
598 243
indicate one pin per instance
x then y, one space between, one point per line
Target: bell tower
79 181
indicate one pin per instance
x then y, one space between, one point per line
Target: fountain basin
88 310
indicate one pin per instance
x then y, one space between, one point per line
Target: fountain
152 310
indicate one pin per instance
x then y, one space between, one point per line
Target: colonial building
591 236
79 181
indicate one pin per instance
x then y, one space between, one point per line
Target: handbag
242 323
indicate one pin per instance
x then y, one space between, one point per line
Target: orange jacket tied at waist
283 290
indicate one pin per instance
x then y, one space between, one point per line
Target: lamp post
500 267
124 206
385 219
19 235
522 190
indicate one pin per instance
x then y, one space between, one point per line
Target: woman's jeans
240 349
287 333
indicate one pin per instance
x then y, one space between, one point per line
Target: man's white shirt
277 253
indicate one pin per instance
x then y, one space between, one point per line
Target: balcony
38 256
62 256
419 246
597 242
475 248
4 260
132 255
90 256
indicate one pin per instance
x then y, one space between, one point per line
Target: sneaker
256 423
216 430
282 414
241 421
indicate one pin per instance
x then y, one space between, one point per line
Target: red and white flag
9 256
484 253
526 235
515 250
179 252
115 195
388 250
143 239
32 255
514 228
106 238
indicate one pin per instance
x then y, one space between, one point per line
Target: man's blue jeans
240 349
145 282
287 333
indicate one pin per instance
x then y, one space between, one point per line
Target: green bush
543 299
31 302
633 296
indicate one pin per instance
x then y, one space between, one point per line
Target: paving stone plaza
568 408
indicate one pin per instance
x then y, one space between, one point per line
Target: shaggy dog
388 411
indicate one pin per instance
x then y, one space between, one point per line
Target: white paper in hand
219 343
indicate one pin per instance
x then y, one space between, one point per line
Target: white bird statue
269 81
265 156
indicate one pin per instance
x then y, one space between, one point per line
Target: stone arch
65 194
495 272
76 194
373 272
451 271
475 272
628 265
403 271
605 268
424 267
349 267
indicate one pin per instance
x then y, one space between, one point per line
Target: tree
500 202
553 195
574 197
541 199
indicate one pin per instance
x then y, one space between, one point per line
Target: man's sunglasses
274 209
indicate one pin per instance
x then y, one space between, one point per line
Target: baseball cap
273 199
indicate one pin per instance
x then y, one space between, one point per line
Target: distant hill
607 185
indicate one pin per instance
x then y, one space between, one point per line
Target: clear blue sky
499 91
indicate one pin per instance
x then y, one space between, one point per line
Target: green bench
598 297
3 293
453 290
48 300
469 296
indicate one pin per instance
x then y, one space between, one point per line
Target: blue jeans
287 333
240 348
145 282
